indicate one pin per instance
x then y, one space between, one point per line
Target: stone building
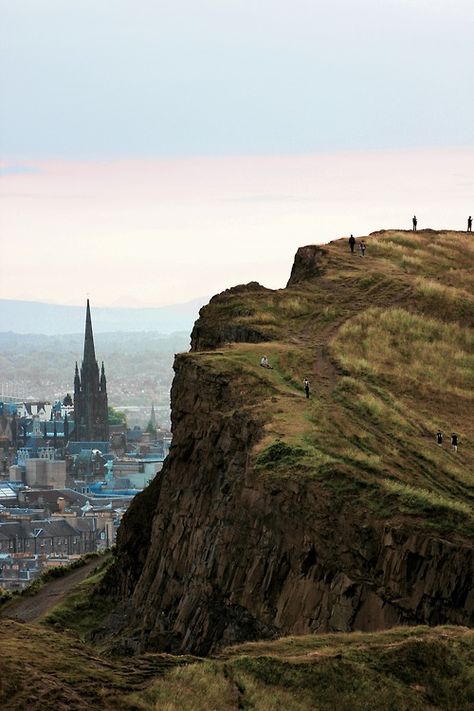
90 393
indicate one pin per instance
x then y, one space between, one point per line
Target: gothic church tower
90 394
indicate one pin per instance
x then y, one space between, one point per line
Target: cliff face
219 549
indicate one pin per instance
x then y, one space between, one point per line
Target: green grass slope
407 669
404 669
387 342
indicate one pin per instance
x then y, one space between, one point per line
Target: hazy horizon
113 306
39 318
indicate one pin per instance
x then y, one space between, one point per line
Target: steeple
151 427
103 381
89 350
90 393
77 380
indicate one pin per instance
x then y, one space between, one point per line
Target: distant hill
52 319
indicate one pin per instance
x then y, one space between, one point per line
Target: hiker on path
352 243
264 362
439 438
454 441
362 248
469 224
306 387
415 223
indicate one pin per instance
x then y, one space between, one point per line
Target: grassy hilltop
387 342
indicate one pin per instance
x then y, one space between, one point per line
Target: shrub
280 453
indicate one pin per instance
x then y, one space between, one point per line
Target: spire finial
89 350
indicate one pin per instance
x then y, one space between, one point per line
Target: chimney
61 504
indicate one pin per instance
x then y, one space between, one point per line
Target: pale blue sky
94 78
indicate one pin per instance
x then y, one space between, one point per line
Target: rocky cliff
273 515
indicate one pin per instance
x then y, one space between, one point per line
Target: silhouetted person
352 243
306 387
469 224
415 223
454 441
439 438
362 248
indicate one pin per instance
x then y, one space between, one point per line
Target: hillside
276 514
414 668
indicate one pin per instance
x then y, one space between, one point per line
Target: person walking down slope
439 438
306 387
469 224
362 248
352 243
415 223
454 441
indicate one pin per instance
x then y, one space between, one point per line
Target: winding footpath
31 609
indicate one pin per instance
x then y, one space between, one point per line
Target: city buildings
67 477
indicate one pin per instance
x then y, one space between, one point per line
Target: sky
153 152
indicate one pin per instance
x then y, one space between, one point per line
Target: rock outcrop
214 552
308 264
208 334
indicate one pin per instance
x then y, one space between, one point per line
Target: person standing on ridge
352 243
439 438
454 441
469 224
415 223
306 387
362 248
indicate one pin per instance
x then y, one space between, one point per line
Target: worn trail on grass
31 609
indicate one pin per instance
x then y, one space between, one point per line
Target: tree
116 417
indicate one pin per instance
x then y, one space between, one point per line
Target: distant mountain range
52 319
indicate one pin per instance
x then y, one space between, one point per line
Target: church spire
89 350
103 382
90 393
153 416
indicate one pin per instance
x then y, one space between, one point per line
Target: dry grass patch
427 500
444 293
413 349
198 687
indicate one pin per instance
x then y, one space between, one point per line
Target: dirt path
31 609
